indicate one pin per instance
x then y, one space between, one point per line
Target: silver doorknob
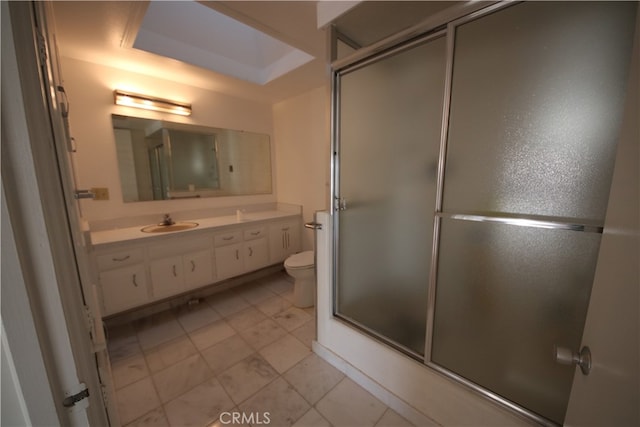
566 356
313 225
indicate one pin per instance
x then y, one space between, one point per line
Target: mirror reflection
160 160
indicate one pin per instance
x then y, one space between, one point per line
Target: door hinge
81 396
105 394
97 342
340 204
42 49
89 318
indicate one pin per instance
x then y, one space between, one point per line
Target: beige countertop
136 235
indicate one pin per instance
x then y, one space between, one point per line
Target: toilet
301 267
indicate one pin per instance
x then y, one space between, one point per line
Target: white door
609 395
59 110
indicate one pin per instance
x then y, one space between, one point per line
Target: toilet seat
300 261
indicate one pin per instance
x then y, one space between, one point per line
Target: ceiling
104 32
196 34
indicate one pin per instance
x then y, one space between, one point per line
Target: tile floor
245 351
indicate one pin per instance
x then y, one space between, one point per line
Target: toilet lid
303 259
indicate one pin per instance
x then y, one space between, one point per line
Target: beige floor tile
211 334
263 333
292 318
122 342
158 329
279 402
200 406
129 370
247 377
155 418
279 283
288 295
196 317
273 305
231 418
312 419
226 353
285 352
313 378
256 292
181 377
392 419
227 303
245 318
306 333
135 400
349 405
165 355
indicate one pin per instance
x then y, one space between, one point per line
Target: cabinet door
229 261
123 288
256 254
167 276
284 240
197 267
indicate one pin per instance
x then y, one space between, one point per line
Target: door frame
39 220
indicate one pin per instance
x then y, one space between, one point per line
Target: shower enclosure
472 167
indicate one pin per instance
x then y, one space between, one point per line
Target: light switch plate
101 193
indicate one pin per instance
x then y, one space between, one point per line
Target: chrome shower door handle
313 225
565 356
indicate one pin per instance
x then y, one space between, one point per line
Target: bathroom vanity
136 268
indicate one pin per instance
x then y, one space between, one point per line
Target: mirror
160 160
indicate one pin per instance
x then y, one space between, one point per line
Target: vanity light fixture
129 99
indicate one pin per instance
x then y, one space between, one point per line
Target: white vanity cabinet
241 251
284 239
138 270
177 265
256 251
228 254
123 279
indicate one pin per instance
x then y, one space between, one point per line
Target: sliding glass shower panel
390 114
506 296
537 95
536 102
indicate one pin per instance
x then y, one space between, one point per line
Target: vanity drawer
227 238
178 246
255 233
120 258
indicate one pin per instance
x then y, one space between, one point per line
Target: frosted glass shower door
536 103
390 113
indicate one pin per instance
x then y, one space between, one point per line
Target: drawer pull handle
135 283
250 251
237 254
124 258
174 271
255 233
285 229
193 266
227 238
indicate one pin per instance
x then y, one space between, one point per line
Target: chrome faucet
167 220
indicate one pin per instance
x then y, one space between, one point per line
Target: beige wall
90 91
299 130
302 131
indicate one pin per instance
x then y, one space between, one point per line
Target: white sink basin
178 226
